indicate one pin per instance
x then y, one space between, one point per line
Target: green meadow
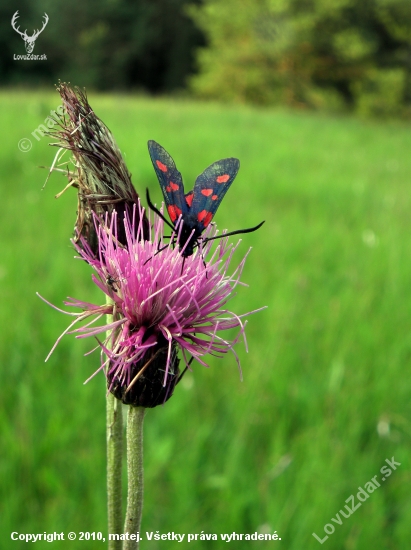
326 395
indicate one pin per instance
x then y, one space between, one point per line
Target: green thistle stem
135 474
114 426
114 467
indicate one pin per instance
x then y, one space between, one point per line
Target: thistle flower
159 305
96 168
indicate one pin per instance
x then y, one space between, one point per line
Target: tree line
322 54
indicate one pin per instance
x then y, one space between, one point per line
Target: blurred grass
328 360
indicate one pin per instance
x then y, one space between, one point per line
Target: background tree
103 44
339 54
307 52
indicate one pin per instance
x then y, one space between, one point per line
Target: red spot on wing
172 187
161 166
207 219
223 179
189 199
201 215
174 212
207 192
204 217
214 197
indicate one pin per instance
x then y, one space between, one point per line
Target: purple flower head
161 303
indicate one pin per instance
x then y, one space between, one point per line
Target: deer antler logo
29 41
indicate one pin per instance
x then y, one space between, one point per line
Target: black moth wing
210 188
170 180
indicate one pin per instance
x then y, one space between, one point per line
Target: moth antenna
237 232
158 251
156 210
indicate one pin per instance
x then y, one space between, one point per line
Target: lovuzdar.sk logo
29 41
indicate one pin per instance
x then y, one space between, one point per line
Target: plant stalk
135 475
114 427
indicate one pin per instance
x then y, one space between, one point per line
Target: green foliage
380 92
315 53
336 55
325 397
104 44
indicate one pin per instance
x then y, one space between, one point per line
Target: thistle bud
96 168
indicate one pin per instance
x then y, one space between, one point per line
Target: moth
197 207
